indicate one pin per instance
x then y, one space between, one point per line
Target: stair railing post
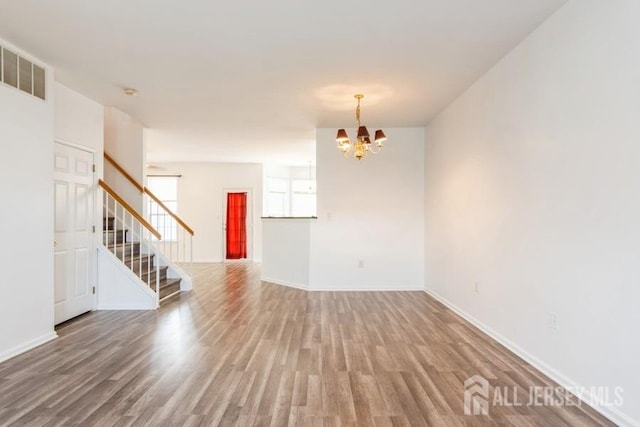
131 265
157 279
168 240
105 214
184 242
140 252
123 224
113 226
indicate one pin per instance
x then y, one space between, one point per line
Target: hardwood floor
238 352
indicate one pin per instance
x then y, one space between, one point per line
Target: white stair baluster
131 266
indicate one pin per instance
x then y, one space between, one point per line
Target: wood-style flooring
236 351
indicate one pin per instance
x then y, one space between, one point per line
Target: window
303 197
277 195
289 191
165 189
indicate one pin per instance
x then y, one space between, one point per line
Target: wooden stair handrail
120 169
169 211
144 189
129 209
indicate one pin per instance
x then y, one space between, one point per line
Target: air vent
20 73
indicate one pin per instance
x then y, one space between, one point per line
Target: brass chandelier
362 145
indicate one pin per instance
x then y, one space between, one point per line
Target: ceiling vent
20 73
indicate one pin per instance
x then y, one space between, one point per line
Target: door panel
61 197
61 162
82 204
82 272
60 267
82 167
74 213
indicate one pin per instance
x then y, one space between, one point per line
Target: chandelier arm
347 152
374 151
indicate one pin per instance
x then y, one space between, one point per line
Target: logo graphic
476 396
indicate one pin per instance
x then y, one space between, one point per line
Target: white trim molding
29 345
284 283
356 289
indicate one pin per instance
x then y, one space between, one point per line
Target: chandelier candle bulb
362 145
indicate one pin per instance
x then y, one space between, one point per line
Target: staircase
141 264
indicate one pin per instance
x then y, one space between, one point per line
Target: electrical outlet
360 263
553 322
476 288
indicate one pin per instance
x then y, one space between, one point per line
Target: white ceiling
251 80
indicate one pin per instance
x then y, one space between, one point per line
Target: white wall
200 203
122 289
372 211
79 120
285 254
124 140
26 186
533 192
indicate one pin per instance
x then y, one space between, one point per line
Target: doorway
237 225
74 213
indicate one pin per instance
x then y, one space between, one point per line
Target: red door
236 225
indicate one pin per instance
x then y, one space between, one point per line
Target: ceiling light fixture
130 92
362 144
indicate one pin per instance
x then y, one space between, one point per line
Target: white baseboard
351 289
284 283
15 351
337 289
612 413
139 307
220 260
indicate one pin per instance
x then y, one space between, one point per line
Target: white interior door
74 217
